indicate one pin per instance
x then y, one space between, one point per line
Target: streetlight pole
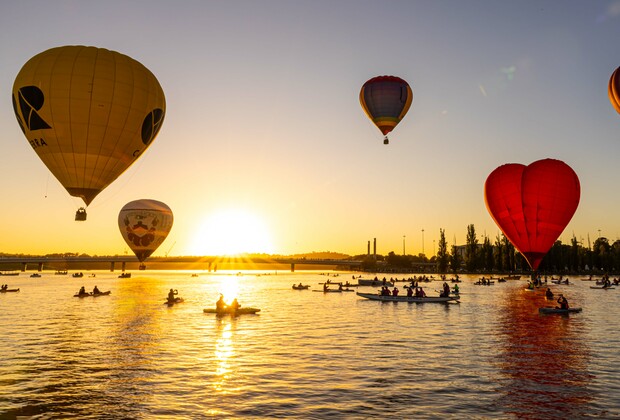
422 241
404 245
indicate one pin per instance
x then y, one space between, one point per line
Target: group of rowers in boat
340 285
561 299
412 280
83 291
5 287
605 282
221 306
416 291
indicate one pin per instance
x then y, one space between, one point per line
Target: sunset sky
265 147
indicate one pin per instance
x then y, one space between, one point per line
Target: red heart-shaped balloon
532 204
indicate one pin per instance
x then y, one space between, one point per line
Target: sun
231 232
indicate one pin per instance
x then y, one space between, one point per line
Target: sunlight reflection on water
305 355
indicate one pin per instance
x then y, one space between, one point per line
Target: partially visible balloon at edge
613 90
144 225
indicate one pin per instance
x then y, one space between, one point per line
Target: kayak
9 290
302 287
549 310
230 311
328 291
602 287
82 295
412 299
172 302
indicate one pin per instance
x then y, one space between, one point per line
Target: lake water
305 355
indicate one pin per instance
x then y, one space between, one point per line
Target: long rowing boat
412 299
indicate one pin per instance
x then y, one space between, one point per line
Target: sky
265 147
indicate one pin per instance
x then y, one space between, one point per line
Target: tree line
499 255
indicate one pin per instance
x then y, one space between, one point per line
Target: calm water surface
305 355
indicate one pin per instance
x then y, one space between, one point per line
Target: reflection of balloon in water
532 204
88 113
386 100
144 225
613 90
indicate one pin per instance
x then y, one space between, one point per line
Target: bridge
196 263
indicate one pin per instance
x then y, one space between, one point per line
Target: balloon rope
47 184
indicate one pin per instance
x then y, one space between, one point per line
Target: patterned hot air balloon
145 224
88 113
613 90
532 204
386 100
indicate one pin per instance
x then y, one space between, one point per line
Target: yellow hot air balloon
88 113
145 224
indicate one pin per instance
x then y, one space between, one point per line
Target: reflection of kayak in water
231 311
549 310
172 302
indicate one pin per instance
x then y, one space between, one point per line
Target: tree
471 249
487 255
455 260
442 253
498 253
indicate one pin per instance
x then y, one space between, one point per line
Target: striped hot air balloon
386 100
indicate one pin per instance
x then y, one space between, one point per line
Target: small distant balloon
613 90
88 113
386 100
145 224
532 204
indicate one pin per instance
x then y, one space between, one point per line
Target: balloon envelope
144 225
88 113
532 204
613 90
386 100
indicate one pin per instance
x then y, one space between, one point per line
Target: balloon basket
80 214
386 140
142 267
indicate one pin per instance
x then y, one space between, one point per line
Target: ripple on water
305 355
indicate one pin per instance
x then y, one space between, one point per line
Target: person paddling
220 305
171 295
563 302
549 294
